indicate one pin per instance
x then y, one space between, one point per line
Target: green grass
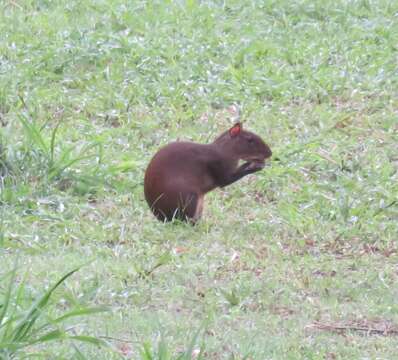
89 90
21 329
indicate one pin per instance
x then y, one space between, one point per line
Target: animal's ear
235 130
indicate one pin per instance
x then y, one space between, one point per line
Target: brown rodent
181 173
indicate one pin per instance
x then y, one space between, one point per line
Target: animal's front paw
256 166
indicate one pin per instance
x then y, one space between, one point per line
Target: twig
23 102
339 328
378 211
324 155
11 2
116 339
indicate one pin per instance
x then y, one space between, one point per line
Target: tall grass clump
25 330
54 159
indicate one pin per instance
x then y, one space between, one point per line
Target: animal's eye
250 140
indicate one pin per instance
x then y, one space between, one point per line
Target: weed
23 331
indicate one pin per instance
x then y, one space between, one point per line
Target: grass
89 90
20 329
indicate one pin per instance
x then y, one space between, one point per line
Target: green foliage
54 165
163 353
22 330
89 90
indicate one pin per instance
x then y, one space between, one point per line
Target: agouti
181 173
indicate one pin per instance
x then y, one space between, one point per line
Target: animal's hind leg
192 207
199 208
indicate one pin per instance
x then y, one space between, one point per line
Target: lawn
299 261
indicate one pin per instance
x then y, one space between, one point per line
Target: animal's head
244 145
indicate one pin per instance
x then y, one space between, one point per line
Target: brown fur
181 173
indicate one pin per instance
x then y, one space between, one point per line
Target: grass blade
25 325
81 312
34 135
7 297
88 339
52 143
50 336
